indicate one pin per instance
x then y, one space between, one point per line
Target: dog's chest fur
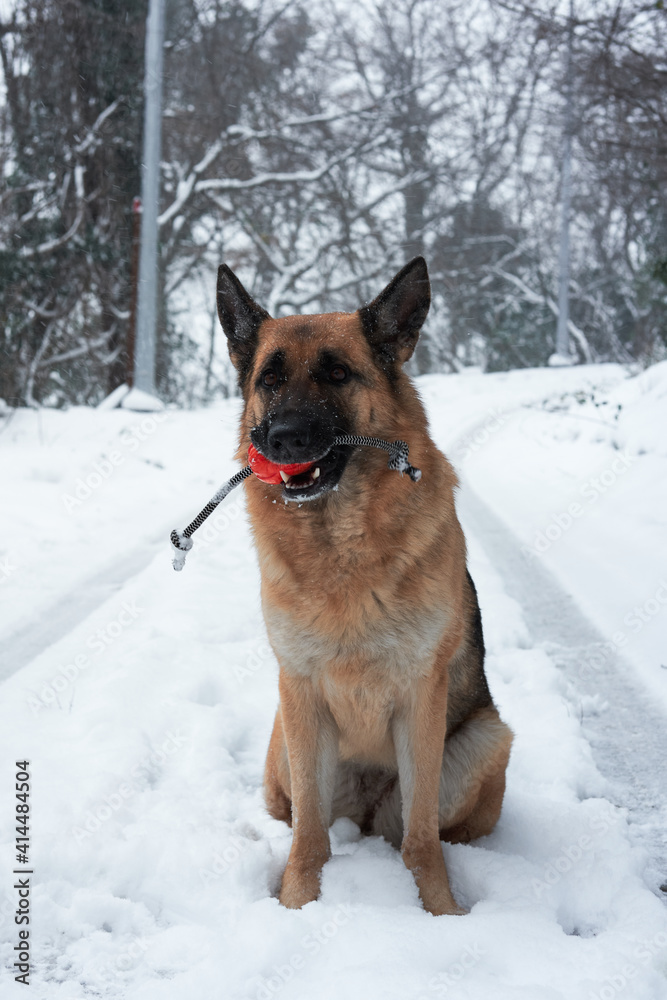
398 645
364 626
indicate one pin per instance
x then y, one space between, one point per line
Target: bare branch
51 245
85 144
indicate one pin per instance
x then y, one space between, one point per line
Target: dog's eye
338 373
269 378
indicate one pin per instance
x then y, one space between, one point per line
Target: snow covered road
144 704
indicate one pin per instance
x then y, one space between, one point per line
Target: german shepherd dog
385 715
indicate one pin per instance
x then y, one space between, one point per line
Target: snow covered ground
144 699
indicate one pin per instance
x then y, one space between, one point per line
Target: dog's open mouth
301 479
322 476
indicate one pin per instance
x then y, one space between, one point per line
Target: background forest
315 148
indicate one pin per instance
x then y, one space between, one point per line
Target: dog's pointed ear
393 320
240 318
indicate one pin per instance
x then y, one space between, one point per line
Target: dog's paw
299 887
440 902
449 910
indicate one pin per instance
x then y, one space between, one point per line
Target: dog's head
308 379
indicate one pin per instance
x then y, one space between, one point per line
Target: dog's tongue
268 471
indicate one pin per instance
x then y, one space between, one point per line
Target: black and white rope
398 453
181 540
398 462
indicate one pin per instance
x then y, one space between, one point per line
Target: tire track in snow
628 738
22 646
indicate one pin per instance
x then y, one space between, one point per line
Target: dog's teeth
291 485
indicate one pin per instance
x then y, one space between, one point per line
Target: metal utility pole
144 366
134 287
562 332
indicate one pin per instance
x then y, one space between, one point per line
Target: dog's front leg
419 729
311 737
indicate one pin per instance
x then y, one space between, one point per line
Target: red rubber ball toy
268 471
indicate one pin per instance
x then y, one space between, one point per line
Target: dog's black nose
293 440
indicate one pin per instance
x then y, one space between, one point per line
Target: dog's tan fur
370 613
